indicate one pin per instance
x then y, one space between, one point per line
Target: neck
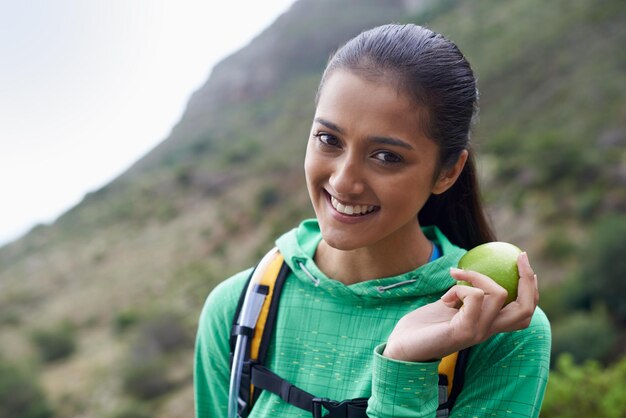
374 262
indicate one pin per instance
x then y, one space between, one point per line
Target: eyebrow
387 140
328 124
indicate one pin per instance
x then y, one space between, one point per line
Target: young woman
370 305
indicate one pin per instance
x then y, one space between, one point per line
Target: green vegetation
604 265
145 379
208 201
55 343
145 375
587 390
163 333
131 410
20 394
585 336
124 320
588 311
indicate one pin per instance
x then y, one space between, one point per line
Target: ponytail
458 212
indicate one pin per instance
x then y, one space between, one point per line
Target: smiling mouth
351 210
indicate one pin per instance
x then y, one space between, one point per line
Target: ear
448 176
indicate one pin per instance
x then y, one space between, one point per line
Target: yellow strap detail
268 279
446 367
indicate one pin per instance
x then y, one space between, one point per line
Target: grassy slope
160 242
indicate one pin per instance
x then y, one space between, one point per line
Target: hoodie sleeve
505 376
212 350
402 389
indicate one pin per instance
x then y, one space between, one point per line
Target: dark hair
432 71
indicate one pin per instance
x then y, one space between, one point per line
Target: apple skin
496 260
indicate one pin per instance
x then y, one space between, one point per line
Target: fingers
472 323
492 303
459 295
497 294
518 314
528 278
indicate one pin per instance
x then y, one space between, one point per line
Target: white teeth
351 210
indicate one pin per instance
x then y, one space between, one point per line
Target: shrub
184 176
267 197
561 299
558 246
586 390
146 379
124 320
20 394
566 160
55 343
584 335
242 151
164 333
145 376
604 264
131 410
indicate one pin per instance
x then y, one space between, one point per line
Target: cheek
314 166
309 167
406 194
312 174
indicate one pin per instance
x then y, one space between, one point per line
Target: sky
87 87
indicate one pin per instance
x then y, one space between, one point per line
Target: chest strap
265 379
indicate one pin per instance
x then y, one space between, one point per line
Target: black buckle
331 407
336 409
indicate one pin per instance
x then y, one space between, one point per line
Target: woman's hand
464 316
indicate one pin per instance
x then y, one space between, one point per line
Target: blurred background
98 308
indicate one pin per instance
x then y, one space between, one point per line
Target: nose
347 177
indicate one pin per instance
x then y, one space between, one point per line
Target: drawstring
380 289
308 273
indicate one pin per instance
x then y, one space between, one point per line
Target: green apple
497 260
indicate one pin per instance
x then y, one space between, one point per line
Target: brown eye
328 139
388 157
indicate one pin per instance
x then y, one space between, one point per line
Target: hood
298 247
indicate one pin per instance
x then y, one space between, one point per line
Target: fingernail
524 256
455 270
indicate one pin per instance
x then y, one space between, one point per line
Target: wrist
397 352
391 351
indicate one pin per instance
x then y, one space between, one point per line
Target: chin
342 241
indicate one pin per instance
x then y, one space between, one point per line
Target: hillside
123 275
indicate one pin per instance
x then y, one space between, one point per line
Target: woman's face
369 168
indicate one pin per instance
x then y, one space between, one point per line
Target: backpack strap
447 367
264 378
275 279
451 379
269 282
452 367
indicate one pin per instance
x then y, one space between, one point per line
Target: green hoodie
329 337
